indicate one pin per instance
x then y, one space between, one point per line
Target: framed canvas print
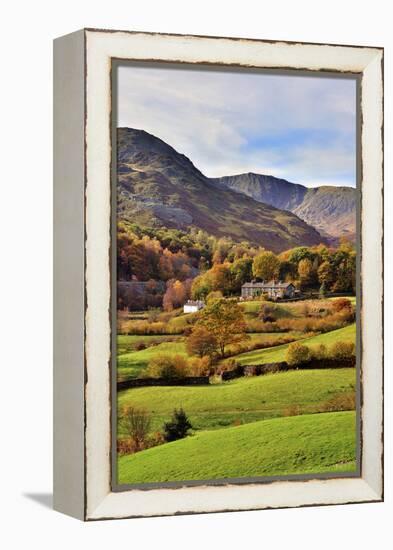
218 274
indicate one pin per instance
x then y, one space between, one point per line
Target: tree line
194 264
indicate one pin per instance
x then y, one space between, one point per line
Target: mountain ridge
330 209
160 187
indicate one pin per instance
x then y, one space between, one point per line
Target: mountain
331 210
157 186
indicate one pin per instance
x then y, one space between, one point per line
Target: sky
300 128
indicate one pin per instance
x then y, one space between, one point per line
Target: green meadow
308 444
299 421
275 354
242 400
131 363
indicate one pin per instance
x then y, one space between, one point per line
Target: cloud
297 127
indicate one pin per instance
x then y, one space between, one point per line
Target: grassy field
289 309
242 400
127 343
300 444
131 363
251 426
270 355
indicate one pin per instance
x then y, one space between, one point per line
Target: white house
192 306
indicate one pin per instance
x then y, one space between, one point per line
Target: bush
178 427
342 350
341 303
168 366
237 349
214 295
125 446
136 424
143 327
267 312
199 366
340 402
156 439
318 324
319 352
297 354
139 346
229 365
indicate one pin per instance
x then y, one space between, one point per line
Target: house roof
270 284
194 303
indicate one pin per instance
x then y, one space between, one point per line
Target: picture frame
84 334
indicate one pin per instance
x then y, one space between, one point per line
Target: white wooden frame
82 382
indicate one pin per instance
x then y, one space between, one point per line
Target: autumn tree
222 248
217 278
326 274
346 275
306 273
224 319
287 270
266 265
220 278
344 260
201 342
175 295
165 365
240 273
201 286
301 253
136 424
214 295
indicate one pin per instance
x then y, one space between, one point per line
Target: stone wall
282 366
143 382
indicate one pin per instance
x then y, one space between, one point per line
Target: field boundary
282 366
144 382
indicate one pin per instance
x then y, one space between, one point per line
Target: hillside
249 398
277 353
157 186
305 444
331 210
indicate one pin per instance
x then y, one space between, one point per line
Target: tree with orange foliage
224 319
201 342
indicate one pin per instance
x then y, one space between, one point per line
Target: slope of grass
126 342
242 400
300 444
289 309
130 365
271 355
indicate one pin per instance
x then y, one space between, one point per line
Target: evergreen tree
178 427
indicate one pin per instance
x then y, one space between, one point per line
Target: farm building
192 306
274 289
